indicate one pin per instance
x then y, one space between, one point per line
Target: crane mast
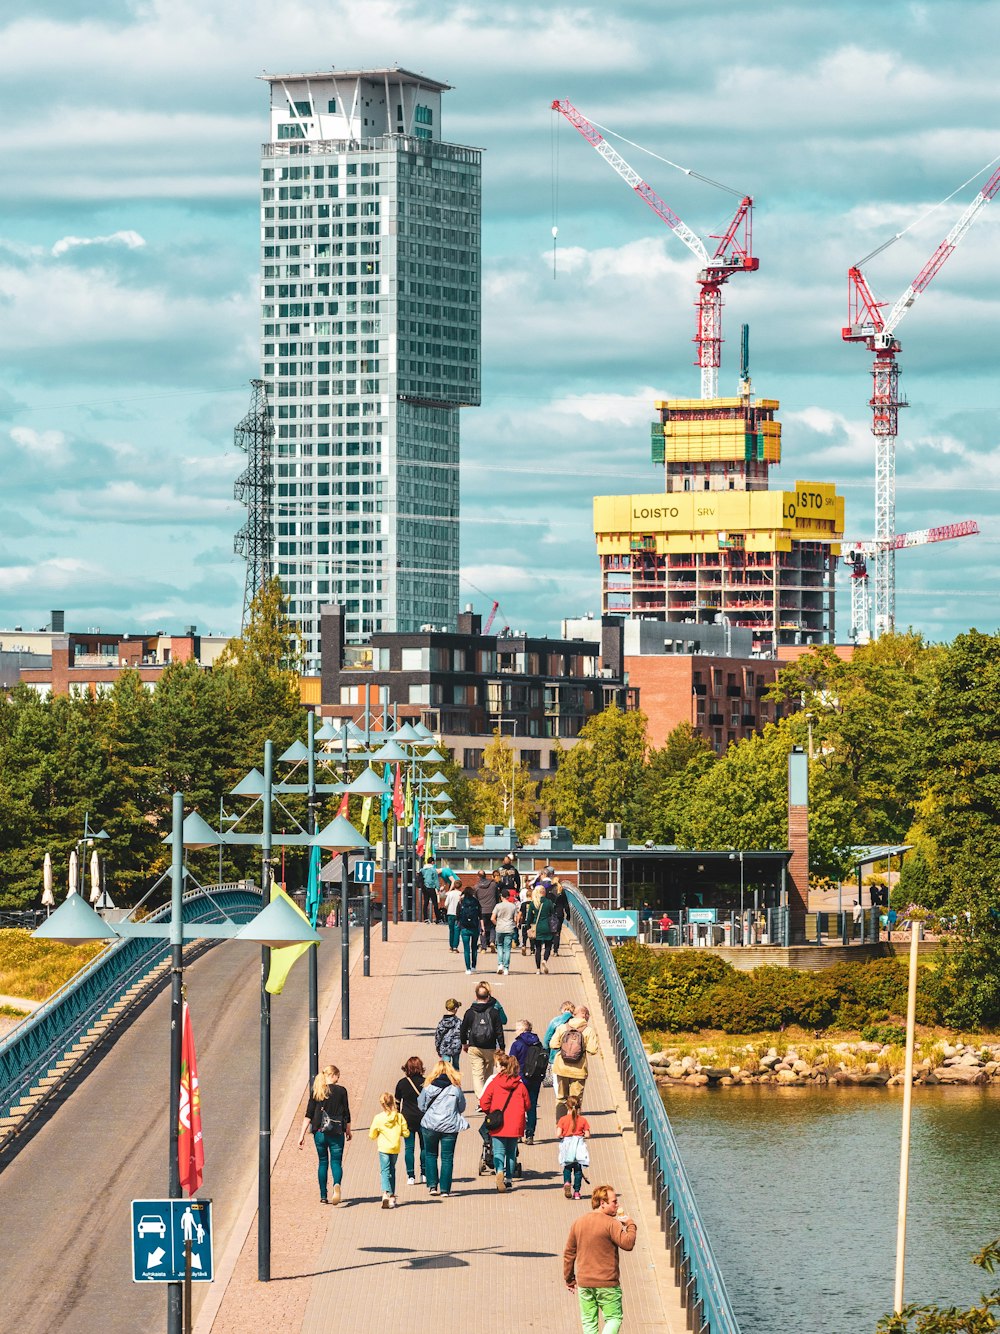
867 325
731 255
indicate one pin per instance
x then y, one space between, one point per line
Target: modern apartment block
716 542
464 685
370 337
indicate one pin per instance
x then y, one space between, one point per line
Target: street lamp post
276 924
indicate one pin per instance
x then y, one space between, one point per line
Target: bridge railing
42 1039
703 1290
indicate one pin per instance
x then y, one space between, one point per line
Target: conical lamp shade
407 733
390 753
196 833
369 784
432 757
425 732
296 751
339 836
326 733
74 922
449 814
277 925
252 785
439 777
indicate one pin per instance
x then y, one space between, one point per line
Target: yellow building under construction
716 542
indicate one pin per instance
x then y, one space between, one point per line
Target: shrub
886 1034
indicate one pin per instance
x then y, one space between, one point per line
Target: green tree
870 718
496 782
598 781
742 801
669 777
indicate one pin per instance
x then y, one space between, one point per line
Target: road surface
65 1259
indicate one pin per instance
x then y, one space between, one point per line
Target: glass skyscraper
370 339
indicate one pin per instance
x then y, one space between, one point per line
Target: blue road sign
624 923
364 873
159 1230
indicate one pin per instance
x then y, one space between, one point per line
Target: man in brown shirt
590 1260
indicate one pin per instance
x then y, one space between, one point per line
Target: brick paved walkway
479 1261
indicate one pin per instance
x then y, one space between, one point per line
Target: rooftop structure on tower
716 542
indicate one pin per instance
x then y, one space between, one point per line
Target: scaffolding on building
255 489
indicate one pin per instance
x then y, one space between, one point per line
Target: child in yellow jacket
389 1129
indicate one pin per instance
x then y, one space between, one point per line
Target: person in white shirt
451 901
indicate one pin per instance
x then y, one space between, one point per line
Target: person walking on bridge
572 1043
470 917
328 1116
590 1260
482 1035
441 1105
388 1129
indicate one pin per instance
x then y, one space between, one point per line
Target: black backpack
469 914
482 1032
536 1062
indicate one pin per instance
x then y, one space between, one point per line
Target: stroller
486 1168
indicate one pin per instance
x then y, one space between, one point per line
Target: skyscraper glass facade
370 337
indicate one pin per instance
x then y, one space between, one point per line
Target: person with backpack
441 1104
487 891
470 916
430 878
573 1130
505 1103
482 1036
563 1017
407 1094
538 915
572 1042
448 1034
560 914
328 1116
533 1059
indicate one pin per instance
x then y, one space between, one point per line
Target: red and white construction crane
732 254
858 554
868 325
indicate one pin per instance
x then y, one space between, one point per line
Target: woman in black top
407 1093
328 1116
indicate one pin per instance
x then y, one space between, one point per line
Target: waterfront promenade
479 1261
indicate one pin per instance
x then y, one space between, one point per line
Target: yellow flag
366 814
282 959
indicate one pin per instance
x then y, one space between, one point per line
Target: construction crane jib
867 325
731 255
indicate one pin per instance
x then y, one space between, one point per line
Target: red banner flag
190 1145
398 800
421 836
345 806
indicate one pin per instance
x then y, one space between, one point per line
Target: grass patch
35 969
10 1012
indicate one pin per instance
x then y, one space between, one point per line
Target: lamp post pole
313 961
264 1140
345 952
174 1290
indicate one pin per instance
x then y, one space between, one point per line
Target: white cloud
130 240
47 446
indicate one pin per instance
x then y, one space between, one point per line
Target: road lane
65 1259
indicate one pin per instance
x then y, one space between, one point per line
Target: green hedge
691 990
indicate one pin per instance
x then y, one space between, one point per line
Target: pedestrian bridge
479 1260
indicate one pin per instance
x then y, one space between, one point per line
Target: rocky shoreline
859 1064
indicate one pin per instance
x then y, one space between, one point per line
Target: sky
129 273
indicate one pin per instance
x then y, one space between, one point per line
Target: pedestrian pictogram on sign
160 1229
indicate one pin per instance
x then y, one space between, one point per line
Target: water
798 1192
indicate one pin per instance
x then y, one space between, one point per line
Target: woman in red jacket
507 1096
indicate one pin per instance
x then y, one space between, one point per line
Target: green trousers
600 1301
